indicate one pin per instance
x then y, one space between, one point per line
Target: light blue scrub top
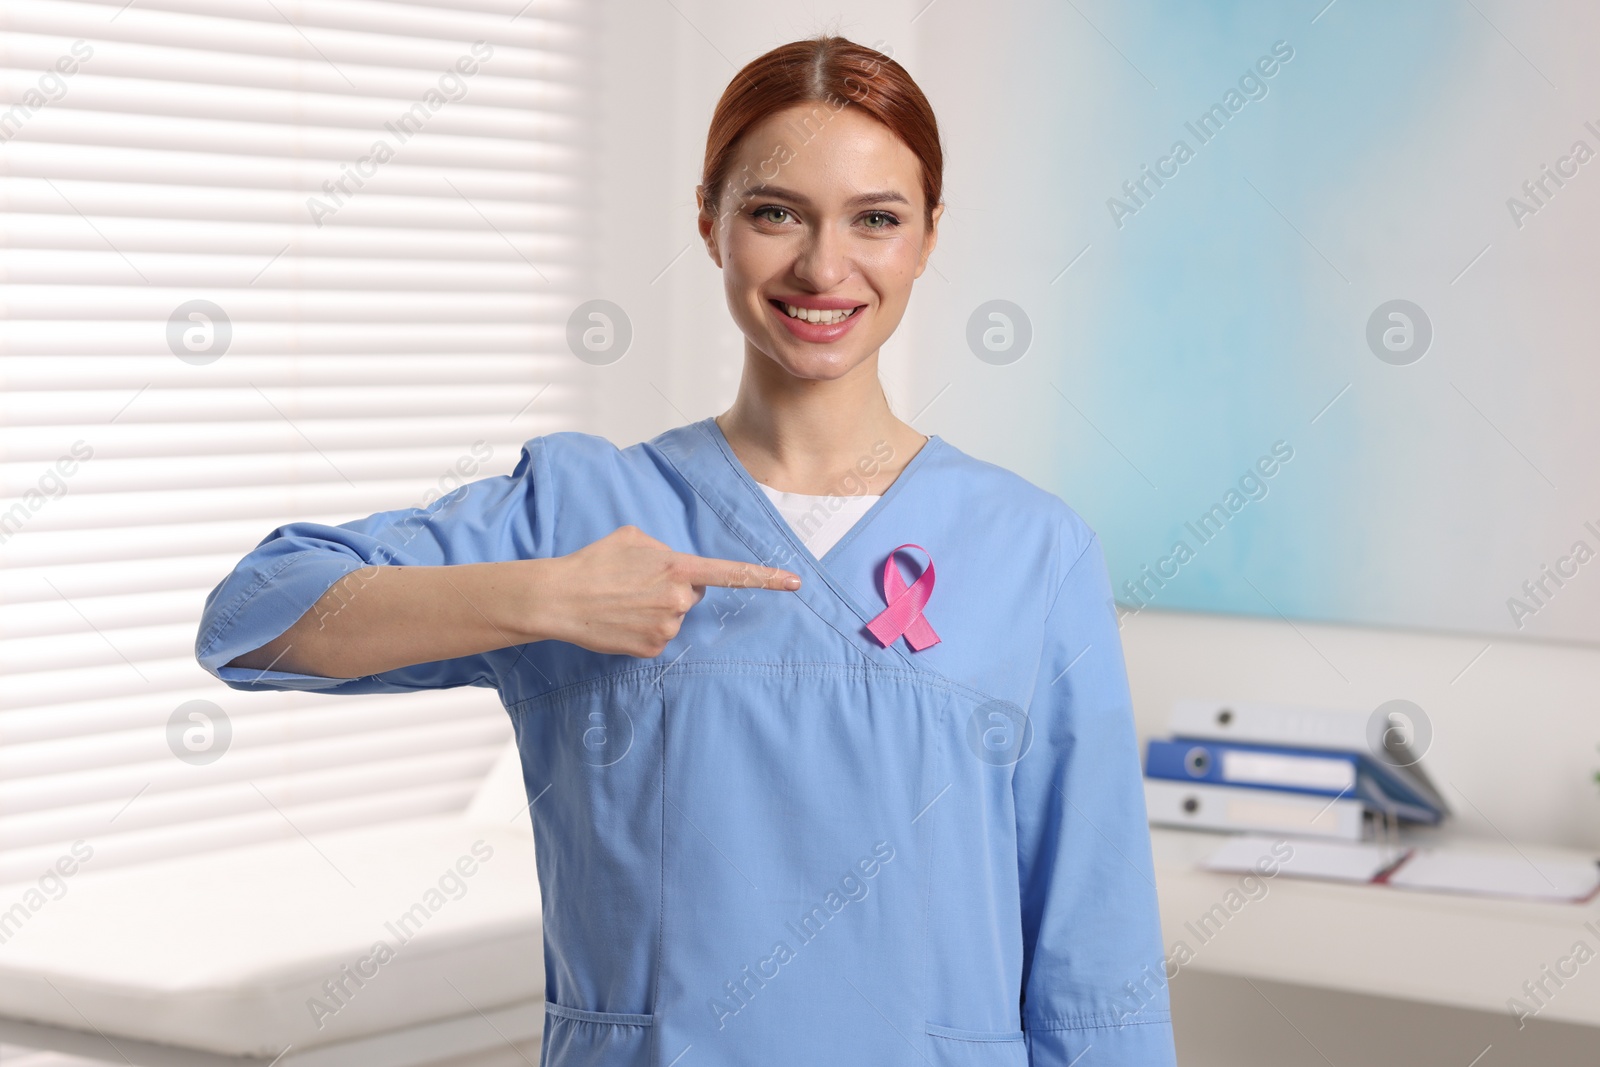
780 842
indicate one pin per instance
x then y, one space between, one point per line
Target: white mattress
224 952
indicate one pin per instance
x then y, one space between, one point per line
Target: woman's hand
628 593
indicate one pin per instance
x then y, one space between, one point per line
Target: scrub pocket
950 1047
577 1038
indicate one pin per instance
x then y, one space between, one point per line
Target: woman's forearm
626 594
381 618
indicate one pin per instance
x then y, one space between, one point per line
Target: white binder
1206 806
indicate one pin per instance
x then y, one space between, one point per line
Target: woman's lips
815 332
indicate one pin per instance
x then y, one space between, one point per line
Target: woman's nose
823 259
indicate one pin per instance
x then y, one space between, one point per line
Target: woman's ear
929 240
707 225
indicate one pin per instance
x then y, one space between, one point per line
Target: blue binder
1321 772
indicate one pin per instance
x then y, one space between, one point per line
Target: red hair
830 70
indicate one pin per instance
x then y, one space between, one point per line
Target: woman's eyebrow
885 196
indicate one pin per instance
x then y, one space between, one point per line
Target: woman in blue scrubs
827 721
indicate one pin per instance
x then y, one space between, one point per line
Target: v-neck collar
705 460
776 517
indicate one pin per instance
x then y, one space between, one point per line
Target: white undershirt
819 520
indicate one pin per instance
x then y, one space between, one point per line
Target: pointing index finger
707 570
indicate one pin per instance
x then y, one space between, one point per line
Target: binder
1301 726
1321 772
1199 805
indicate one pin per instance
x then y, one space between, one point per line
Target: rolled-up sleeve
492 519
1093 970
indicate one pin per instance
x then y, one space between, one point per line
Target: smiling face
837 231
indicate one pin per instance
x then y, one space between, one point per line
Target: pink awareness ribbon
904 613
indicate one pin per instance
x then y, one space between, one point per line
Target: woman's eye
760 212
888 220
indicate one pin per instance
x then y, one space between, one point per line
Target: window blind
264 261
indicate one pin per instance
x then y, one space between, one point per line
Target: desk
1440 948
